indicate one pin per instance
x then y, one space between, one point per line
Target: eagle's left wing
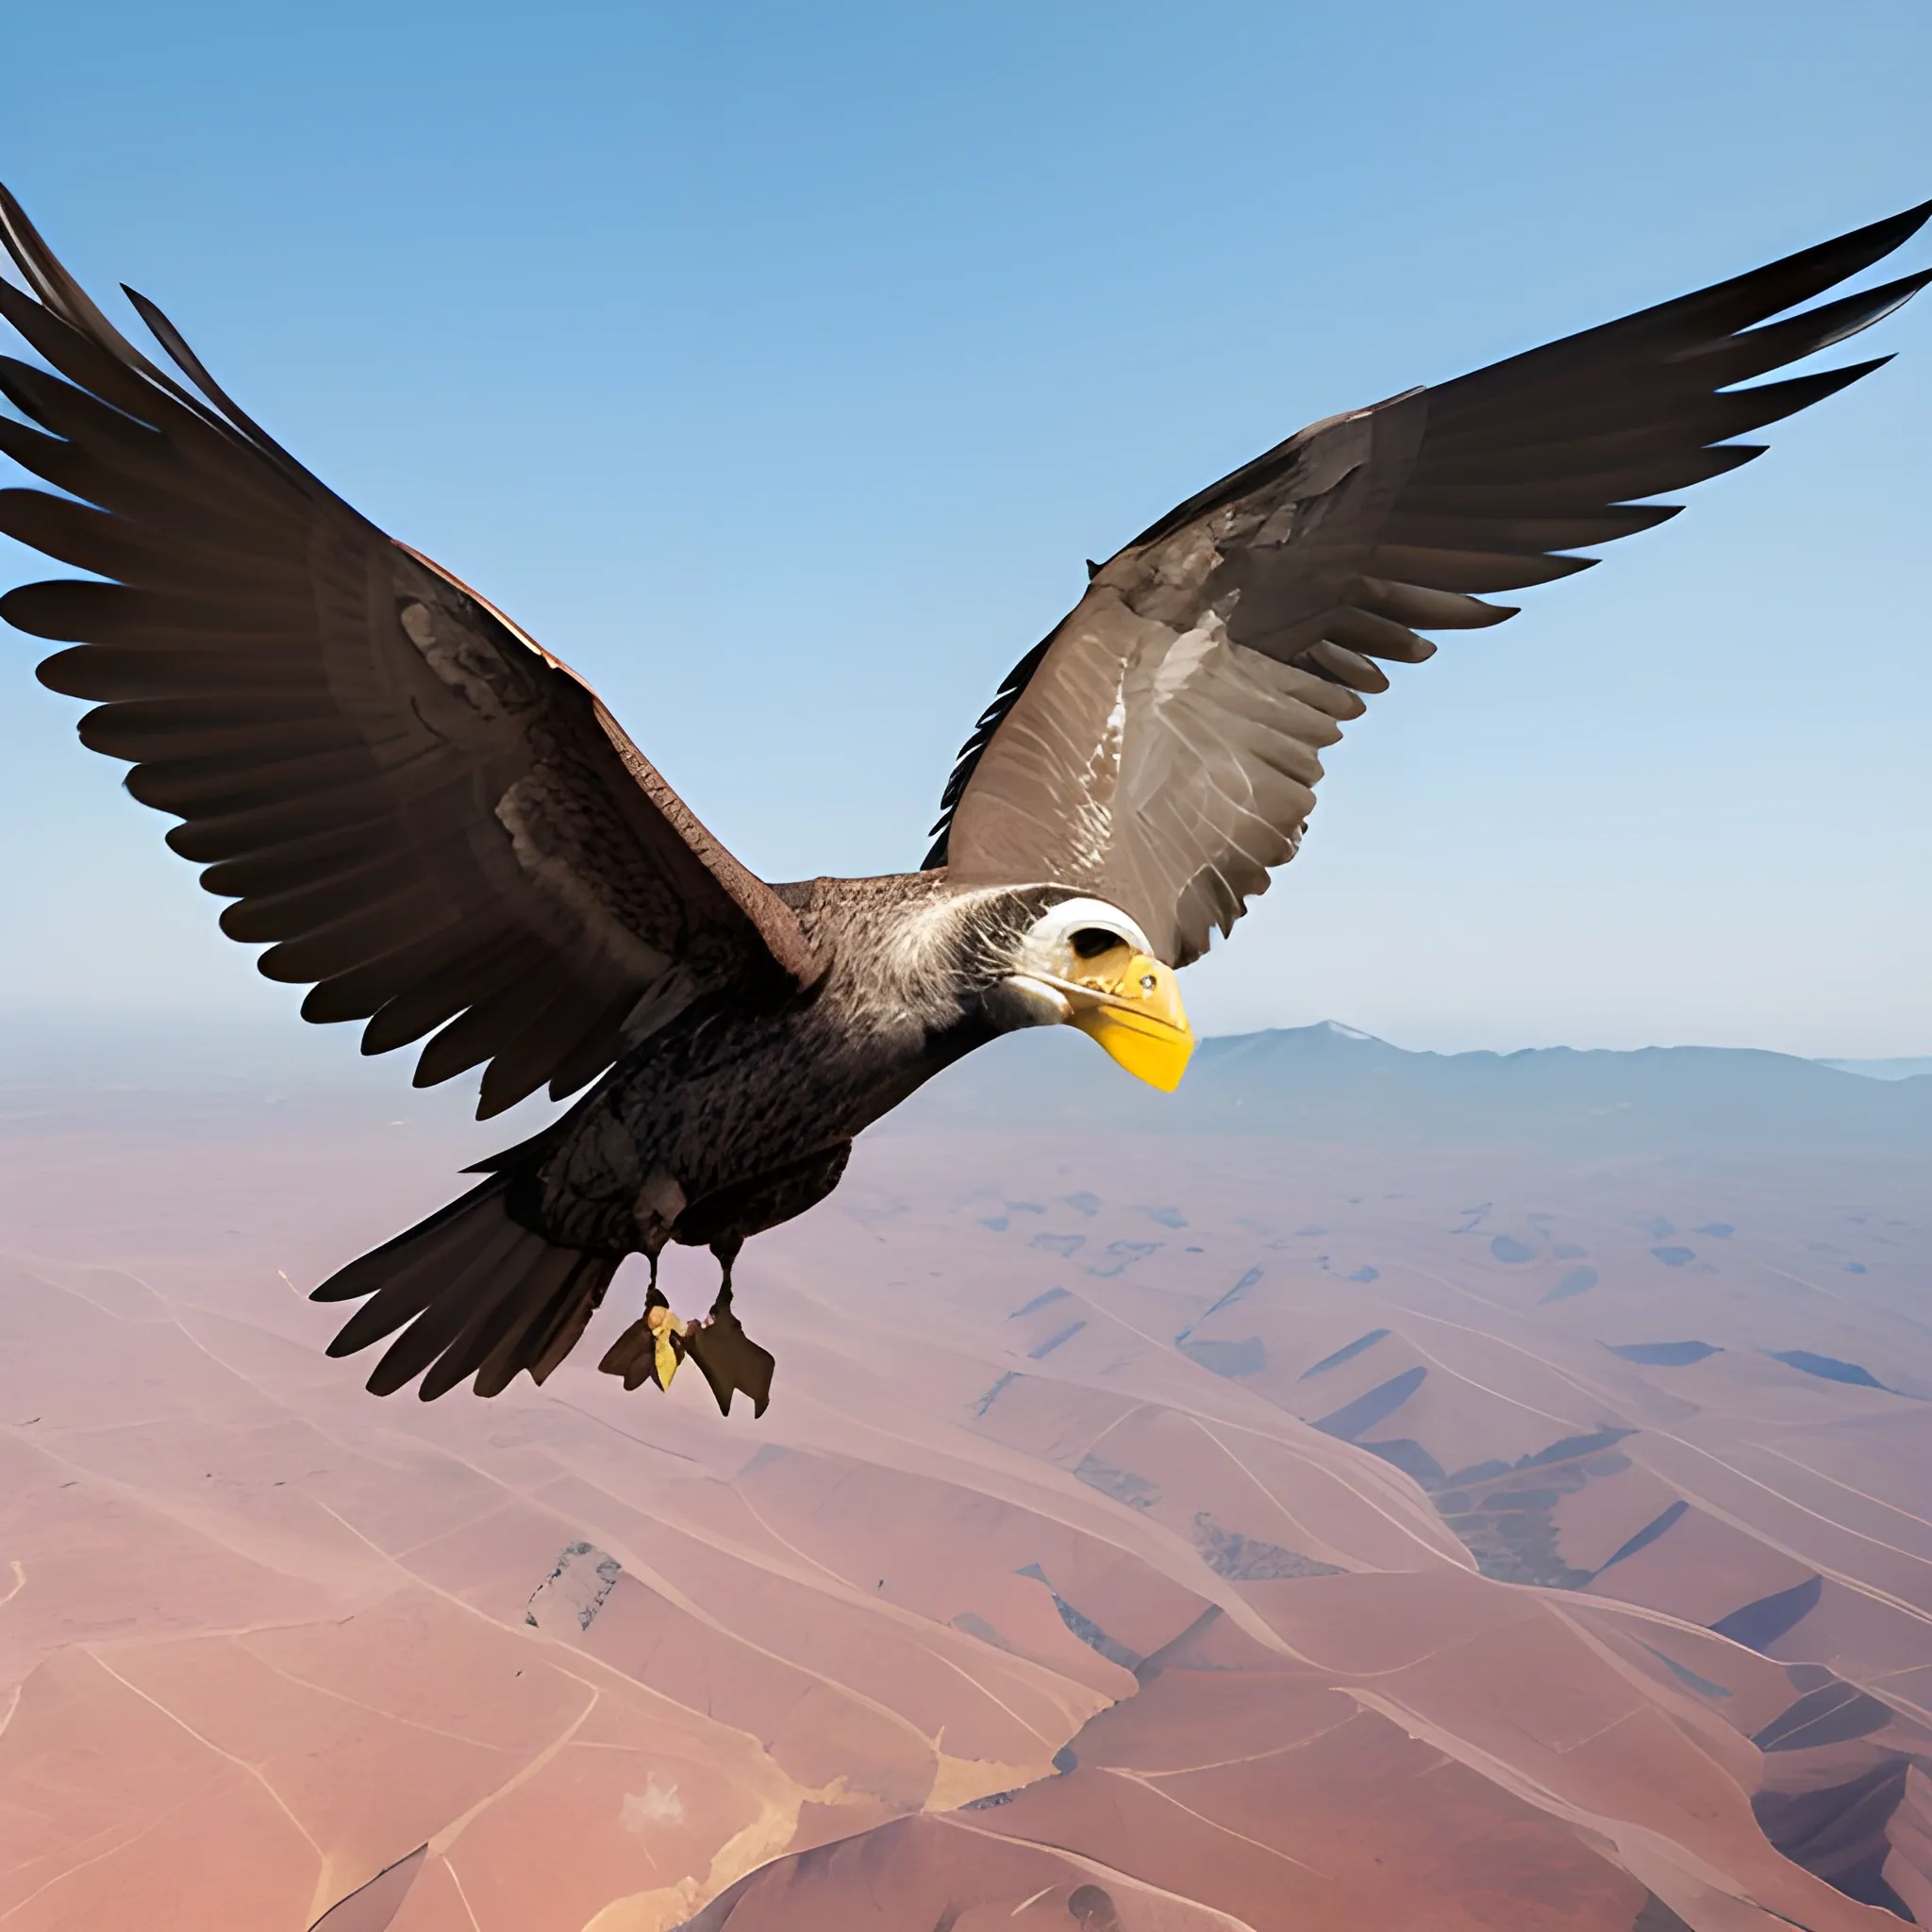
1161 747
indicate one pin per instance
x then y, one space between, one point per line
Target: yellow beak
1135 1012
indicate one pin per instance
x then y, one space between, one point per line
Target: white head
1085 963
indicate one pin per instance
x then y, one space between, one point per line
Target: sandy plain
1204 1533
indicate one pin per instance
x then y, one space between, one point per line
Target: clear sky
779 365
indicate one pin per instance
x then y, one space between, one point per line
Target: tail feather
479 1291
498 1321
572 1318
387 1263
486 1285
532 1343
425 1277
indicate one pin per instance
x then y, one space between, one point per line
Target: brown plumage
437 829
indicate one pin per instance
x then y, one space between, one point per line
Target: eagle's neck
914 954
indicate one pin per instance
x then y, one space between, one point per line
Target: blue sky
779 365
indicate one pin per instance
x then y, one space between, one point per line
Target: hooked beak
1139 1021
1130 1004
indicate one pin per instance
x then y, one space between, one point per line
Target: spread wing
1161 747
436 824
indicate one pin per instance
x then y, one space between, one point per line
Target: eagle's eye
1093 941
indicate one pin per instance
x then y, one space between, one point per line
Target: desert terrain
1377 1494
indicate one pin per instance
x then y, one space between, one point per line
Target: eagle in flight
437 828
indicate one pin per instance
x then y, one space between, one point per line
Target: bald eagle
438 829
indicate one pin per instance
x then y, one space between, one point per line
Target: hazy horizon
292 1045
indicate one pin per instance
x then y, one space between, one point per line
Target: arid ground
1152 1531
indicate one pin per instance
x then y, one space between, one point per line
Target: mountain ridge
1332 1082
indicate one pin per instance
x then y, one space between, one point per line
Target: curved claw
651 1348
729 1360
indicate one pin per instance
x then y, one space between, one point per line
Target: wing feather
1160 748
429 819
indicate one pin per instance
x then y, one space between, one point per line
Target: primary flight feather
440 831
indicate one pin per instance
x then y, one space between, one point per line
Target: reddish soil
1099 1563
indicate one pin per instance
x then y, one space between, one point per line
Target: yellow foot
650 1349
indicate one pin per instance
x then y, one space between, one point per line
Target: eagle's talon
729 1358
651 1348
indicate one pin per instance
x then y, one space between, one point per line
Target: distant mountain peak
1337 1084
1904 1068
